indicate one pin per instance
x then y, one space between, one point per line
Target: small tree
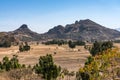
8 64
25 47
71 44
99 47
47 68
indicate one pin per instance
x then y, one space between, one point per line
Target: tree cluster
62 42
79 43
58 42
73 44
99 47
101 67
25 47
47 68
8 64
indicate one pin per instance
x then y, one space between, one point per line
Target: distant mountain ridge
85 30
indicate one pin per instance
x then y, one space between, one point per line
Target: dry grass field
71 59
68 58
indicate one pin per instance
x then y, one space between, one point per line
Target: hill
82 30
23 33
85 30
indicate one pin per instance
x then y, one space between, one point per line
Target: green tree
25 47
47 68
71 44
8 64
99 47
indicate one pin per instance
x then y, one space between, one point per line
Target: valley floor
71 59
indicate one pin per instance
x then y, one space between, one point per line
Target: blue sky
41 15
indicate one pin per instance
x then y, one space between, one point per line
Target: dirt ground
71 59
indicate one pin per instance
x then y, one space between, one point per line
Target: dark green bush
47 68
8 64
71 44
25 47
99 47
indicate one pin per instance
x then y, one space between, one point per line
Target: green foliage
71 44
101 67
89 60
58 42
99 47
8 64
47 68
25 47
62 42
79 43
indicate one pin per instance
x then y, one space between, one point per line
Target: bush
25 47
47 68
99 47
71 44
8 64
101 67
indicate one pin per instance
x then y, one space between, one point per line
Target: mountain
23 33
86 30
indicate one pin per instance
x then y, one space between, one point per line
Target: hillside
85 30
23 33
82 30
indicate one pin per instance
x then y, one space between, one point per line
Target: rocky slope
82 30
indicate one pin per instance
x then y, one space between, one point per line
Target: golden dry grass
72 59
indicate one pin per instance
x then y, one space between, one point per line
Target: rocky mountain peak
87 21
23 26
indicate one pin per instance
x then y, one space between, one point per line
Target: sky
42 15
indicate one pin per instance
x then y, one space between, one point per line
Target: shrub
99 47
101 67
25 47
71 44
8 64
47 68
